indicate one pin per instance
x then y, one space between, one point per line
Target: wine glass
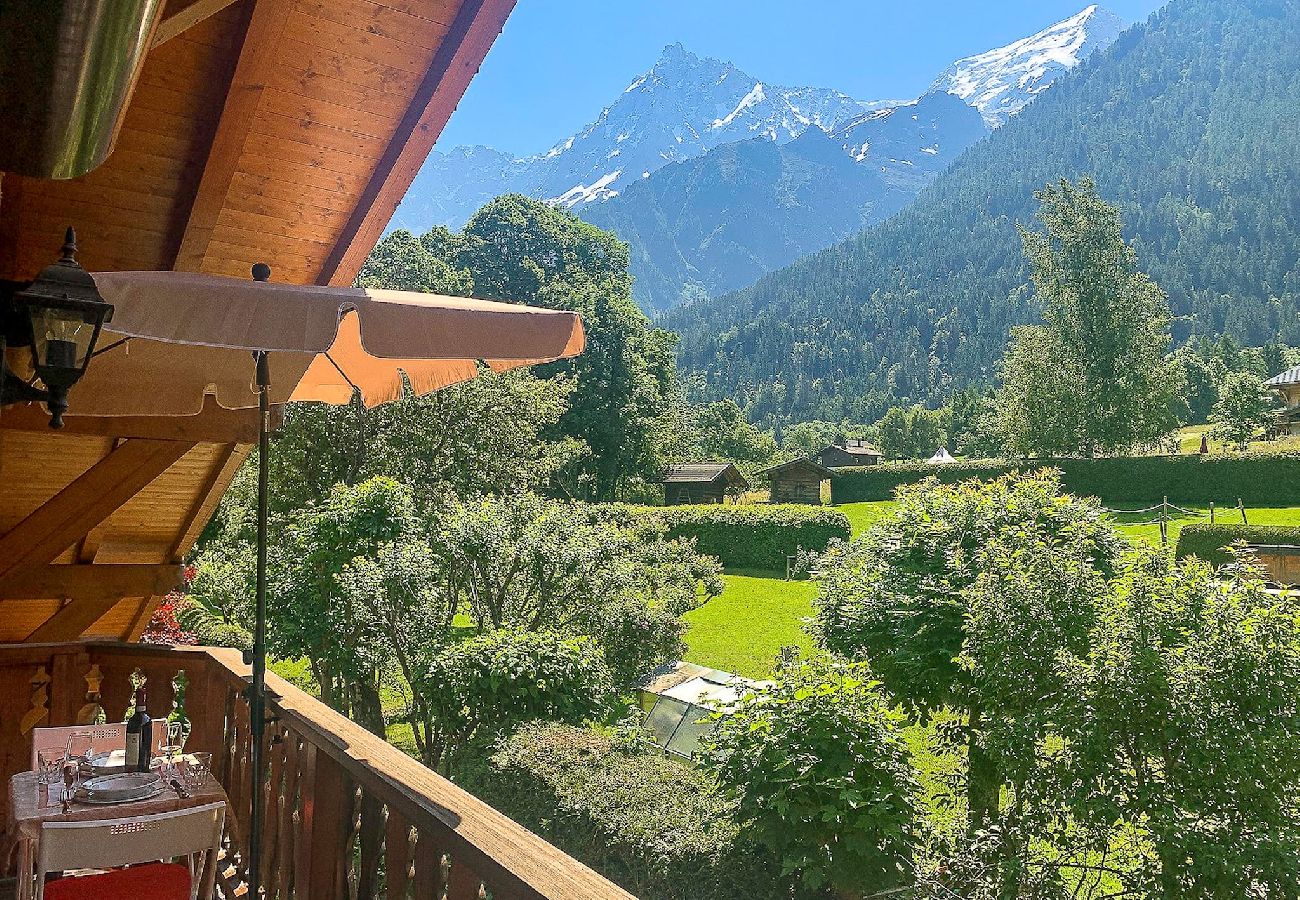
79 750
173 747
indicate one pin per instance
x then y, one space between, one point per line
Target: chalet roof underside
277 131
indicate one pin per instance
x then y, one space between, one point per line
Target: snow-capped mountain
684 106
1001 82
672 165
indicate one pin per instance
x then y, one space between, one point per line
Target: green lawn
742 629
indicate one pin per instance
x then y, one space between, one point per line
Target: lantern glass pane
62 337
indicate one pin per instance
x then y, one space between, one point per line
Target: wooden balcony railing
348 815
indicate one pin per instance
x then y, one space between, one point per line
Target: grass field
743 628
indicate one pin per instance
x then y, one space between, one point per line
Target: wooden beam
205 502
187 17
257 58
91 582
214 424
71 622
89 500
457 60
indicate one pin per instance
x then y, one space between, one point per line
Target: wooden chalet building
798 481
209 136
709 482
1287 387
847 453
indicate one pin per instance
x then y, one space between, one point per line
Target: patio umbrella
178 337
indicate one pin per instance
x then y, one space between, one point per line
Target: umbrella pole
257 690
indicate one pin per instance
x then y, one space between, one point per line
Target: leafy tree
810 437
1187 724
1096 369
1244 409
538 565
312 614
900 595
401 261
478 690
720 431
820 773
893 435
925 431
625 406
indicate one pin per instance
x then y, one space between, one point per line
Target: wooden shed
845 453
709 482
1287 387
797 481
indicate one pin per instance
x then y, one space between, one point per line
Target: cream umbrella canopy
177 337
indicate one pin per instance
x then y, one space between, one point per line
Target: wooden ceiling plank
332 63
365 149
85 581
185 18
457 61
247 188
256 59
214 424
223 472
305 106
425 30
89 500
359 43
290 225
295 77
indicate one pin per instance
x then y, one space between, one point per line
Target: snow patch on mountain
1000 83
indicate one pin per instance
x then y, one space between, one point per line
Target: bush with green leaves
478 689
1186 726
820 775
648 821
752 536
915 596
1257 478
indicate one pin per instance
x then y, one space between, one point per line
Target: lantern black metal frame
67 291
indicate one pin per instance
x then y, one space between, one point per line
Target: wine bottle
139 735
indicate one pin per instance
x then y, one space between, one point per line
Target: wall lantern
56 319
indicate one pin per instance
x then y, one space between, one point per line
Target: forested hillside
1189 122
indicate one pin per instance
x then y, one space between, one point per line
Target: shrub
485 686
1258 479
819 769
647 821
1211 542
757 536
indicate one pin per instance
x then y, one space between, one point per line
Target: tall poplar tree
1096 378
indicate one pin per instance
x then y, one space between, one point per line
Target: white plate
127 786
82 797
110 763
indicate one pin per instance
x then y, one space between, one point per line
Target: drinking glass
49 766
172 747
80 748
198 769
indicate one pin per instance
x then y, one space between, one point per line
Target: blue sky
558 62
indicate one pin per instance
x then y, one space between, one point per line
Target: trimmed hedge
1211 542
647 821
1258 479
753 536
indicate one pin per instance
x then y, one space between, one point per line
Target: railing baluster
462 882
287 813
428 866
327 822
371 840
397 856
272 791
